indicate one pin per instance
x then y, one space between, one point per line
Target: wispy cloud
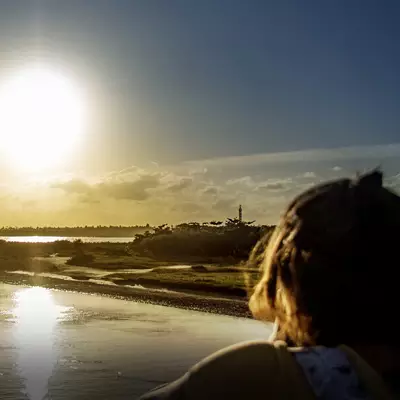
310 155
198 190
276 184
245 181
309 175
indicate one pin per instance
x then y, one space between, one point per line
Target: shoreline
234 307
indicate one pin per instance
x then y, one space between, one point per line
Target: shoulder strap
293 383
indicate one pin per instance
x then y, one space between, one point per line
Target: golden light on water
36 316
42 117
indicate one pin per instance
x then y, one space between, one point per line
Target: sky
196 106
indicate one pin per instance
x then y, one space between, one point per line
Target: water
50 239
59 345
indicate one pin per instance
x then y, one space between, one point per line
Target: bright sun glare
42 115
35 316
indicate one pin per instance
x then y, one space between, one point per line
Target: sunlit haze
42 116
133 112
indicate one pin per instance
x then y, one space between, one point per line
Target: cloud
131 184
309 155
113 187
124 173
73 186
245 180
210 190
224 204
393 182
188 207
198 171
188 191
180 184
137 190
89 200
276 184
309 175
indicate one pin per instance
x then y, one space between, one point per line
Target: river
63 345
50 239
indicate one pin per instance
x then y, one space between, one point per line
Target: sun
42 117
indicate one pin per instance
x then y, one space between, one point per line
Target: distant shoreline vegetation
232 239
202 258
77 231
140 232
211 242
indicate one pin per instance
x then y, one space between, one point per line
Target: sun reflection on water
36 315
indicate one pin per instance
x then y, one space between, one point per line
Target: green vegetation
217 280
208 242
24 257
210 256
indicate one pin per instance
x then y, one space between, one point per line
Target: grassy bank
111 263
210 280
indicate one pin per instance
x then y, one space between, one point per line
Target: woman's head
330 271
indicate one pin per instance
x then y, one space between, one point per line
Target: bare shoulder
250 354
233 372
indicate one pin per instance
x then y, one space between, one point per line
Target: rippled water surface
58 345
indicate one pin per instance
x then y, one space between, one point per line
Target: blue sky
188 80
223 77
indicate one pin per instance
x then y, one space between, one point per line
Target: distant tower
240 213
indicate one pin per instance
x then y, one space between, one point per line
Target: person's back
330 283
261 369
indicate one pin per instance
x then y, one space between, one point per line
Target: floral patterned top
330 374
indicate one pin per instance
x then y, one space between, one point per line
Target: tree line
232 238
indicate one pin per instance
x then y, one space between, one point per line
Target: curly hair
329 270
